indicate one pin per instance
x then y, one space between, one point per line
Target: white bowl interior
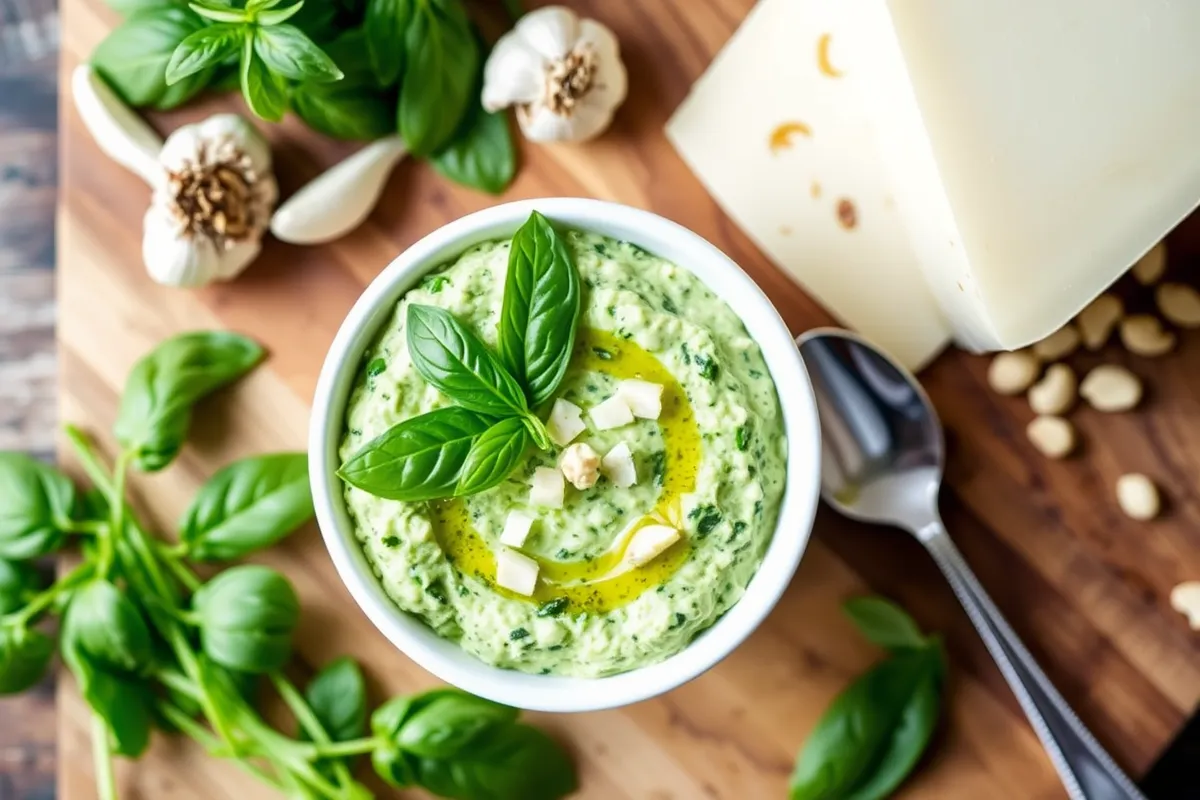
446 659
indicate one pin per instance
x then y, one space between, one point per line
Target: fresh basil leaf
207 47
264 91
448 724
160 391
105 626
394 766
288 52
458 364
123 703
481 155
338 697
441 64
133 58
493 457
320 21
884 623
385 24
246 616
540 310
25 655
857 729
19 581
127 7
36 502
220 12
279 15
504 762
261 5
351 112
247 506
418 459
908 739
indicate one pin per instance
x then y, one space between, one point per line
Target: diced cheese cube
516 529
565 422
643 398
618 466
612 413
648 542
516 572
546 488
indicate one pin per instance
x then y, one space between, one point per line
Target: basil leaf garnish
288 52
338 698
540 309
207 47
419 459
493 456
458 364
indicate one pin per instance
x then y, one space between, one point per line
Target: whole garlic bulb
564 74
211 204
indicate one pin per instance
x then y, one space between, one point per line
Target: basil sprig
475 445
873 734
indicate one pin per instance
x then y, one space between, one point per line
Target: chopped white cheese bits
580 465
648 542
516 529
565 422
516 572
612 413
643 398
618 466
546 488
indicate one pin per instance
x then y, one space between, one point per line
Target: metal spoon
882 461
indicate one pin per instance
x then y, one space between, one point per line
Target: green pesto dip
712 465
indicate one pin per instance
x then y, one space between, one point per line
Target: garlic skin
564 74
212 203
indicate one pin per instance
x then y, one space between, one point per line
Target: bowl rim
446 659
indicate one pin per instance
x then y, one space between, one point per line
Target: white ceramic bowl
446 659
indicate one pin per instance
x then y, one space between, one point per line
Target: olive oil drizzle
599 585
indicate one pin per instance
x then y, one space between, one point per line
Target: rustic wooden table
1086 588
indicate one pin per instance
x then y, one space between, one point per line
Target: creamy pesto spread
713 465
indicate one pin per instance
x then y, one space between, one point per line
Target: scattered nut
1055 392
1138 496
1179 303
580 465
1096 322
1059 344
1111 388
1054 437
1012 373
1185 598
1150 267
1143 335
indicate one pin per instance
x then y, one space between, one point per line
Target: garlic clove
117 129
339 199
540 124
550 32
603 41
514 74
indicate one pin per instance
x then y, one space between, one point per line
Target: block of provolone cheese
1035 149
781 140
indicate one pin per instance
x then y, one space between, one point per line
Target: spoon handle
1086 770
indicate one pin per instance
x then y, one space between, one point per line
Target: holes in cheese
565 422
648 542
617 465
516 529
612 413
546 488
643 398
516 572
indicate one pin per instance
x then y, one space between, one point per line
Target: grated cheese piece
612 413
516 572
516 529
643 398
617 465
546 488
565 422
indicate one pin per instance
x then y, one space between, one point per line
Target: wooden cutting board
1086 587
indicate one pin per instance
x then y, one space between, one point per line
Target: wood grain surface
1084 586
